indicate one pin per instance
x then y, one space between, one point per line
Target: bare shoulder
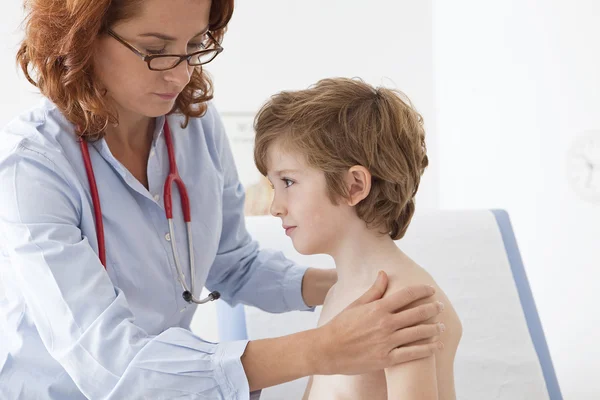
411 273
401 378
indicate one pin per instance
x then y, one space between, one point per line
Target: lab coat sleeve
242 272
83 320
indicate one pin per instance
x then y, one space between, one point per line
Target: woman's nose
180 75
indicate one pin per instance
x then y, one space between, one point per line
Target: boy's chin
307 249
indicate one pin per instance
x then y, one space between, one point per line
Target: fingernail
432 289
441 327
440 306
440 346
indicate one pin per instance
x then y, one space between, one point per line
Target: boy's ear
358 181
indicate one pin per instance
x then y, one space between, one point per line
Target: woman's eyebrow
168 38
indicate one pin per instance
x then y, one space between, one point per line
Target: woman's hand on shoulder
374 332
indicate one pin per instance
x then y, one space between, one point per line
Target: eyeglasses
164 62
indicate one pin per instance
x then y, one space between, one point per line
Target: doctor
100 286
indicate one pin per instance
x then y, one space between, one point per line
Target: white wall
516 81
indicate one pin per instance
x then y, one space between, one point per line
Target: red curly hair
57 48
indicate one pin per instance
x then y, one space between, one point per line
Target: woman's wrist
314 354
319 359
269 362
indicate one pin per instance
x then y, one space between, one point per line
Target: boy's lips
288 229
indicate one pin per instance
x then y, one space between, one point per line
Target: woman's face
160 27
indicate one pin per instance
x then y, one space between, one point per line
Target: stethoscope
173 177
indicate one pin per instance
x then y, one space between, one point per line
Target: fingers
375 292
406 296
418 314
411 353
415 333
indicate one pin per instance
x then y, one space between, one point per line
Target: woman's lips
167 96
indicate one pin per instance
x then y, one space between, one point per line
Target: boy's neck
361 253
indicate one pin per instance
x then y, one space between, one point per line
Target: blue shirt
68 327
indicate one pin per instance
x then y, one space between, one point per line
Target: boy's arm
414 380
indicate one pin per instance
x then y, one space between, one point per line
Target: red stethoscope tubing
173 177
89 170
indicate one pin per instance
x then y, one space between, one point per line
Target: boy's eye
287 182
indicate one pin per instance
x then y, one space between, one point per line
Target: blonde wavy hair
339 123
57 50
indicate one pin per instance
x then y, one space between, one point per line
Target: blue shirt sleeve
242 272
85 322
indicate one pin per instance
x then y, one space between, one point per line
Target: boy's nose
277 209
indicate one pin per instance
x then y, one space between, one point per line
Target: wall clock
583 166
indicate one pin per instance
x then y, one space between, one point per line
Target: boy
345 161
